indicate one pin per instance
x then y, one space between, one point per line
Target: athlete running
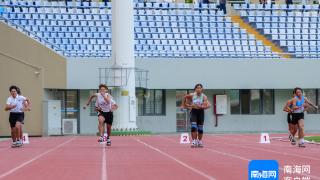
298 105
16 105
105 105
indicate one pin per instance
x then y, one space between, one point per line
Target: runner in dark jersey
197 102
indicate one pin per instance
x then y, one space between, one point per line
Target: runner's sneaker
194 143
101 139
200 144
19 143
14 144
292 140
108 141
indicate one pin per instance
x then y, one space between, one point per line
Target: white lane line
3 175
104 164
176 160
271 151
241 158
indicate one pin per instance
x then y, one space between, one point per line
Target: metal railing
119 76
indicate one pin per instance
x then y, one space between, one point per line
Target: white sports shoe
200 144
19 143
101 139
194 143
108 142
14 144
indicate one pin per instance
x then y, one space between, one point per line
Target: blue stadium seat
161 29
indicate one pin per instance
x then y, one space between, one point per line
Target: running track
148 157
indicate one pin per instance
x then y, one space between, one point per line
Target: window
182 117
314 96
255 100
245 101
252 101
151 102
139 95
235 101
69 102
267 101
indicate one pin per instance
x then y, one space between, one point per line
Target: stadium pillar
123 57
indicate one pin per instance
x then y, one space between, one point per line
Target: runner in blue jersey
298 105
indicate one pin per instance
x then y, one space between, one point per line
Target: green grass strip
129 133
313 138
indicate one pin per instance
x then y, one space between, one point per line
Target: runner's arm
310 103
206 103
286 106
114 107
107 97
9 107
97 109
294 102
90 99
184 103
27 104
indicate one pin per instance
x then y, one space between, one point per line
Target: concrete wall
223 74
226 124
84 73
32 67
16 73
231 73
213 73
19 46
229 123
88 124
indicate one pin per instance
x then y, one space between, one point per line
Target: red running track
148 157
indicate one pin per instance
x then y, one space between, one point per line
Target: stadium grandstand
151 53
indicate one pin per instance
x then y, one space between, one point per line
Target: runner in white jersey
16 105
105 105
109 114
27 107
